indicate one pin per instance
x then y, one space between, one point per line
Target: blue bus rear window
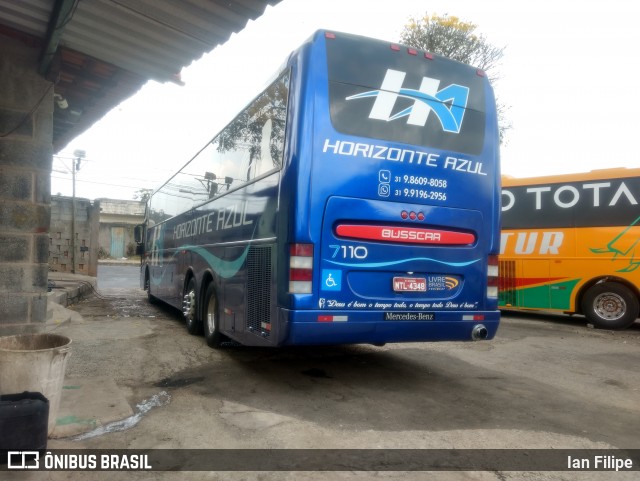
439 104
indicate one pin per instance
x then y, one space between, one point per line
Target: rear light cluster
412 215
408 235
492 277
394 47
410 51
300 268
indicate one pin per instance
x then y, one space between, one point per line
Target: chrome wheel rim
188 305
211 315
609 306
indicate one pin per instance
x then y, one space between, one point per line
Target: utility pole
75 165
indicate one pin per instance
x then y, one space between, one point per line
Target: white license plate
409 284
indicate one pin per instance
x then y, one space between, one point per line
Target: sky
565 78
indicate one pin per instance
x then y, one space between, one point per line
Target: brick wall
60 245
26 123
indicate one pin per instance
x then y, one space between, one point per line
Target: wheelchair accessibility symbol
331 280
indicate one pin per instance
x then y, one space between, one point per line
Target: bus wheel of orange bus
610 306
189 308
211 319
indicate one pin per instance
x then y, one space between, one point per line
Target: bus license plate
409 284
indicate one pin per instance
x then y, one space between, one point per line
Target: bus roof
615 173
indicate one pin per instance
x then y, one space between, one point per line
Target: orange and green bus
571 243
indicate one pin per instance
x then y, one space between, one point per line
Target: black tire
190 308
147 287
211 316
610 305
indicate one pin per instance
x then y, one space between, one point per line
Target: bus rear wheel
190 308
212 332
610 306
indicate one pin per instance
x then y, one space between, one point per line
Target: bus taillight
492 277
300 268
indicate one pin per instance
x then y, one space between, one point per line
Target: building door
117 242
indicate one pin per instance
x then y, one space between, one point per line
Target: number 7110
349 252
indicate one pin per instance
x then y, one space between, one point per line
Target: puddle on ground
161 399
118 307
179 382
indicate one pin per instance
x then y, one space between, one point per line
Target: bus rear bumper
376 327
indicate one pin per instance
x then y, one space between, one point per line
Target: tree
453 38
142 195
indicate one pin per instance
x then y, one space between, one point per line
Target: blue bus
355 200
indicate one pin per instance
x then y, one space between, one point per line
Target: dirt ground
542 383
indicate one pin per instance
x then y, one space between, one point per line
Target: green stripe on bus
555 295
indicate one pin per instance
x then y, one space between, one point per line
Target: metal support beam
60 16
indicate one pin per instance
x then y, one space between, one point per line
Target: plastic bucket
23 422
35 363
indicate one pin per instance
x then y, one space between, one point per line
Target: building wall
117 221
120 207
26 152
61 246
110 236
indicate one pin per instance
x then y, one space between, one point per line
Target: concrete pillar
26 132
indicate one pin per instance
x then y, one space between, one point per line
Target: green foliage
456 39
143 195
453 38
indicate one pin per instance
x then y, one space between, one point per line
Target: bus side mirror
138 232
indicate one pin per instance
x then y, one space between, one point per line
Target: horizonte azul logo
448 104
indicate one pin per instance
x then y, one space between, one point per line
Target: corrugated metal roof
108 48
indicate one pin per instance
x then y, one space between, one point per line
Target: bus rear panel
398 208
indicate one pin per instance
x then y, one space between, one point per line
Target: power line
101 183
98 161
140 179
61 157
